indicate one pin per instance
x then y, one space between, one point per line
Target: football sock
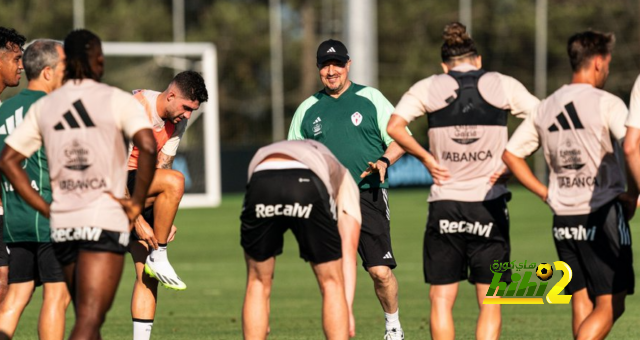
392 320
160 254
142 329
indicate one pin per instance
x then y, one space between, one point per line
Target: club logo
466 134
76 156
570 156
356 118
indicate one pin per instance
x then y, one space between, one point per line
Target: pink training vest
161 136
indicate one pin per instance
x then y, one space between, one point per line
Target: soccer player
351 120
579 127
168 112
11 43
468 223
321 207
32 261
84 126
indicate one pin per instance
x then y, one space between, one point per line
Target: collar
464 67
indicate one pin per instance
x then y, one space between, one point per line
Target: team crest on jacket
356 118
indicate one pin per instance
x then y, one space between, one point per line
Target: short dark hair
192 86
583 46
38 55
77 44
457 42
8 37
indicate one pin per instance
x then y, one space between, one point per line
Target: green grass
207 255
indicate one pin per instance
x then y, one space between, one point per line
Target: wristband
386 160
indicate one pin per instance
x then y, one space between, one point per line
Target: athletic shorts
296 199
597 247
4 251
67 242
147 213
33 261
463 239
375 235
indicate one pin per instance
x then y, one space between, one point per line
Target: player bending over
321 207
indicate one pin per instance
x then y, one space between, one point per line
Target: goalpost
198 156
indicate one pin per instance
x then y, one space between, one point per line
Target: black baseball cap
332 50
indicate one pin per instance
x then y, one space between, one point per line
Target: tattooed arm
164 161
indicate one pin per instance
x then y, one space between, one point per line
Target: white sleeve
26 138
526 139
129 113
520 101
615 114
633 120
170 148
412 105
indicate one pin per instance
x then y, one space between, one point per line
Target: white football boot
164 273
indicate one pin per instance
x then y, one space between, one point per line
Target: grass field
208 257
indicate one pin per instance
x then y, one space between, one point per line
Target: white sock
392 320
160 254
142 329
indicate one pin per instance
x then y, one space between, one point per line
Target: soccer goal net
131 66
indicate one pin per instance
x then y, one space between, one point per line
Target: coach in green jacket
351 120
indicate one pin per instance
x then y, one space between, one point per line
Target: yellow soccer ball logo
544 271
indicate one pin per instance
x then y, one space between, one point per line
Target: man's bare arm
632 152
349 230
397 129
12 169
164 161
392 154
523 173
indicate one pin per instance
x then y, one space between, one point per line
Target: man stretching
168 112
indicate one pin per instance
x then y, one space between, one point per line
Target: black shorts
375 235
296 199
33 261
147 213
597 247
4 252
463 239
67 242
